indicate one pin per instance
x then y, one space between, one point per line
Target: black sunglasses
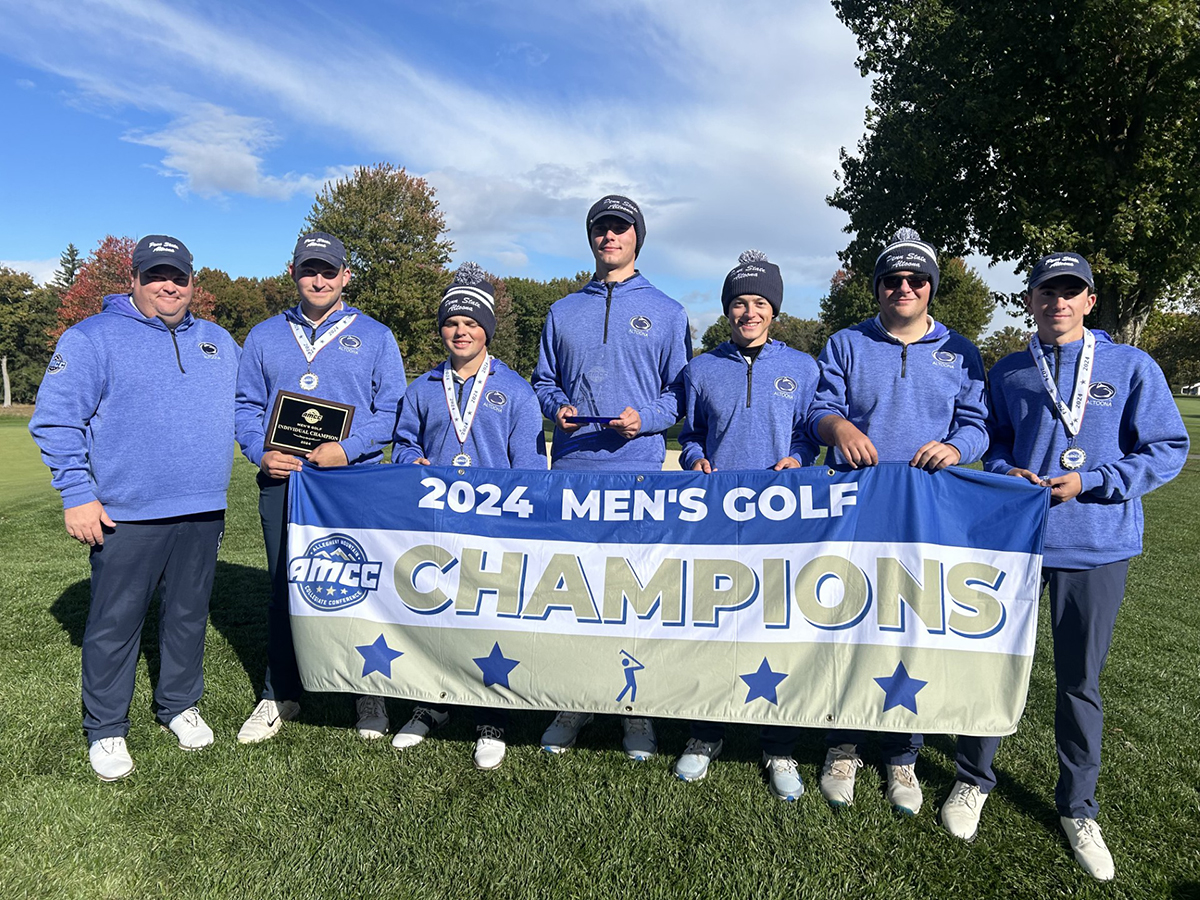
916 282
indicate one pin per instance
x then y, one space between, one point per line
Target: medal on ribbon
310 349
463 420
1071 415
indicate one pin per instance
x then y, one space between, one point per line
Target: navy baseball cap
319 245
1056 264
162 250
621 208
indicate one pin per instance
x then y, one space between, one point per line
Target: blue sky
218 123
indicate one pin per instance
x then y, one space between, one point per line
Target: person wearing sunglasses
899 387
610 376
1095 422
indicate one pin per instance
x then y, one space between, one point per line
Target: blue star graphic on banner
495 667
378 657
900 689
763 683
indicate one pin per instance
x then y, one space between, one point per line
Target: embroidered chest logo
350 343
785 386
1101 393
944 358
209 349
640 325
495 400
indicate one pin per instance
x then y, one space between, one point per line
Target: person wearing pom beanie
747 402
899 387
471 410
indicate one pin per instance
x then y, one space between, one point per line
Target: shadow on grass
238 610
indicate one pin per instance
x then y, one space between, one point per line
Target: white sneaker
903 790
1090 850
783 777
423 721
109 758
489 747
961 811
837 775
560 736
639 741
266 720
193 732
693 764
372 717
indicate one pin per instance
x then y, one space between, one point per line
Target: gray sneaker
110 758
783 777
693 764
837 775
903 790
639 741
372 717
563 731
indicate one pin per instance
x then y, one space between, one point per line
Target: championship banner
887 599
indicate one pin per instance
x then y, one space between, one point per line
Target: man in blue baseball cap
1095 422
143 373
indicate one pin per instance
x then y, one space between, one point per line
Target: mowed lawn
317 812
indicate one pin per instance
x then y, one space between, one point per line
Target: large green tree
531 301
1172 337
1017 128
1000 343
393 232
238 303
27 313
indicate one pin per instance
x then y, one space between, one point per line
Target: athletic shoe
266 720
693 764
960 812
782 777
903 790
489 747
1090 850
109 758
372 717
560 736
423 721
837 775
639 741
193 732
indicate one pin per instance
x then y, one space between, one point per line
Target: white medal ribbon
462 422
308 348
1072 416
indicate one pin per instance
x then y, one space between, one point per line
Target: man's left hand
628 424
1065 487
935 455
329 455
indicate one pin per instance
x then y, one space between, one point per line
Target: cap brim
1050 276
612 213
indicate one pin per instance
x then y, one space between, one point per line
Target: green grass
319 813
1189 408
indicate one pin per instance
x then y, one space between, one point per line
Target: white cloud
42 270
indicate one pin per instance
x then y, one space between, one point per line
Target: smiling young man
900 387
747 403
133 418
614 351
1095 422
471 410
331 351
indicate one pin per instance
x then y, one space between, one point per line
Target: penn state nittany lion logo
640 323
496 398
209 349
57 364
334 573
785 384
349 342
944 356
1101 390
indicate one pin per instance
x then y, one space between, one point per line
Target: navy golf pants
179 557
1083 614
282 680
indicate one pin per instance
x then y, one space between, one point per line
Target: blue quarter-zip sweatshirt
506 432
1132 434
902 396
744 415
361 367
606 347
138 416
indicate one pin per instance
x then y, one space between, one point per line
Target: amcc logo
334 573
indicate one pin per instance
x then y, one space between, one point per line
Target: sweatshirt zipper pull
607 307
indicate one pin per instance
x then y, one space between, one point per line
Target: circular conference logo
496 398
350 341
57 364
1101 390
208 348
334 573
785 384
944 356
311 416
640 323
